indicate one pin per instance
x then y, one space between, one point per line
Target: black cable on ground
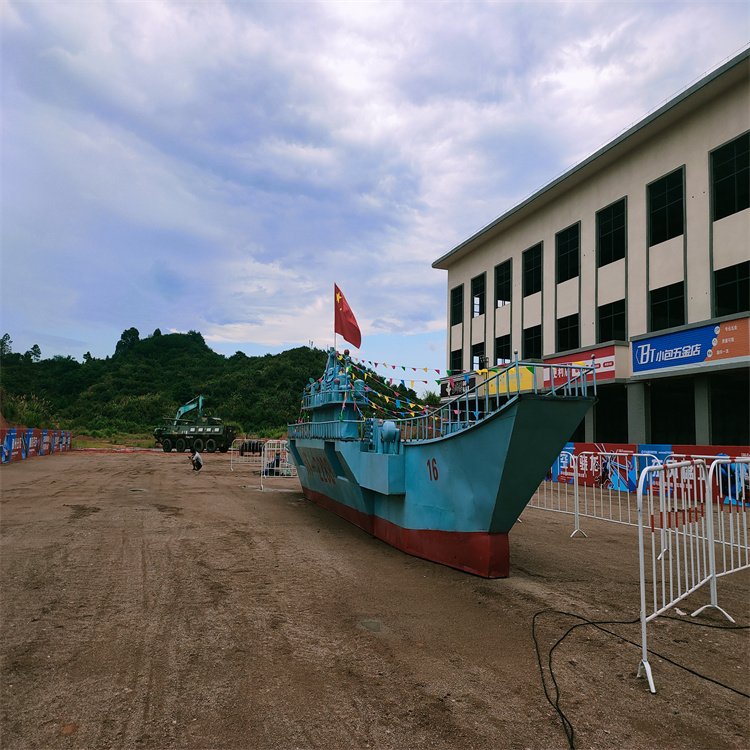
567 725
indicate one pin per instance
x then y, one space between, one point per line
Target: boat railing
488 396
475 404
335 396
336 430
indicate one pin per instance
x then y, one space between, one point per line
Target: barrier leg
577 529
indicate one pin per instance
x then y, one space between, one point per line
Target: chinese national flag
344 320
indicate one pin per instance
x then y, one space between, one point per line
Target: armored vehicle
191 429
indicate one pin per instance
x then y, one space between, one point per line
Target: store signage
693 346
604 365
456 385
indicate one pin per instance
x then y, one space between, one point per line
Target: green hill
147 379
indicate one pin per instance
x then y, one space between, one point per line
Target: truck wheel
211 445
198 444
166 445
223 449
180 445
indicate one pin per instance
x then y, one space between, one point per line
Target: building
640 256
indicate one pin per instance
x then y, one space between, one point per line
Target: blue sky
218 166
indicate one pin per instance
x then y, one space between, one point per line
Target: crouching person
196 460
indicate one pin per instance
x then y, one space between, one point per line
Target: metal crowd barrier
276 461
692 512
246 452
597 485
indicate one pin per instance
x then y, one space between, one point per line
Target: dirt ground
148 606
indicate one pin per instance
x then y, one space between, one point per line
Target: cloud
217 166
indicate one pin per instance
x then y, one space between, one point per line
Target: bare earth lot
147 606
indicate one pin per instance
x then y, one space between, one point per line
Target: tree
127 341
431 399
5 343
34 354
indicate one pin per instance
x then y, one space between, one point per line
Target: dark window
502 350
503 284
665 208
730 172
668 306
477 295
567 333
567 243
612 322
610 233
732 289
457 305
532 342
457 364
532 270
478 361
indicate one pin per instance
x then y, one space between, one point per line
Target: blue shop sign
674 349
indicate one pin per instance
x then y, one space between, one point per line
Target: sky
219 166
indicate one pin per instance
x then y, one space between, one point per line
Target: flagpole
334 318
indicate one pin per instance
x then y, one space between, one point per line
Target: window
567 243
457 364
610 234
457 305
532 342
477 295
503 283
730 173
478 360
667 306
665 208
532 270
502 350
611 319
732 289
567 333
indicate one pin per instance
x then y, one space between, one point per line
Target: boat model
445 485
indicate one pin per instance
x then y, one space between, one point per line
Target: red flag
344 321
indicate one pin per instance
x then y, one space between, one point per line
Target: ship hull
451 500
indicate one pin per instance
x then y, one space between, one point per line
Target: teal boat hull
451 499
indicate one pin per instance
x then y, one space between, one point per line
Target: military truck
191 429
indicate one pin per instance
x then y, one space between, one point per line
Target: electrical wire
555 703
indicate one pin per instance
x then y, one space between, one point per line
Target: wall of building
681 138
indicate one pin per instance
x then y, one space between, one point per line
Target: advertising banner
604 365
17 444
606 465
695 346
456 385
618 466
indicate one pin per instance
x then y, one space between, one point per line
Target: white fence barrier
596 485
691 512
276 461
246 452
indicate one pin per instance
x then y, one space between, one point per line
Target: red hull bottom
478 552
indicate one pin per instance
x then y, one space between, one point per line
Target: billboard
694 346
604 365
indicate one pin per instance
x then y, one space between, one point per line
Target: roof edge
647 120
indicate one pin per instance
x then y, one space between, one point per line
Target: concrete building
639 255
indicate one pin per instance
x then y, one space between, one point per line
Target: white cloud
248 155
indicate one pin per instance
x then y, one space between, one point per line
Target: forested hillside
147 379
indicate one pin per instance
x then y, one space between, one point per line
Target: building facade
640 256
